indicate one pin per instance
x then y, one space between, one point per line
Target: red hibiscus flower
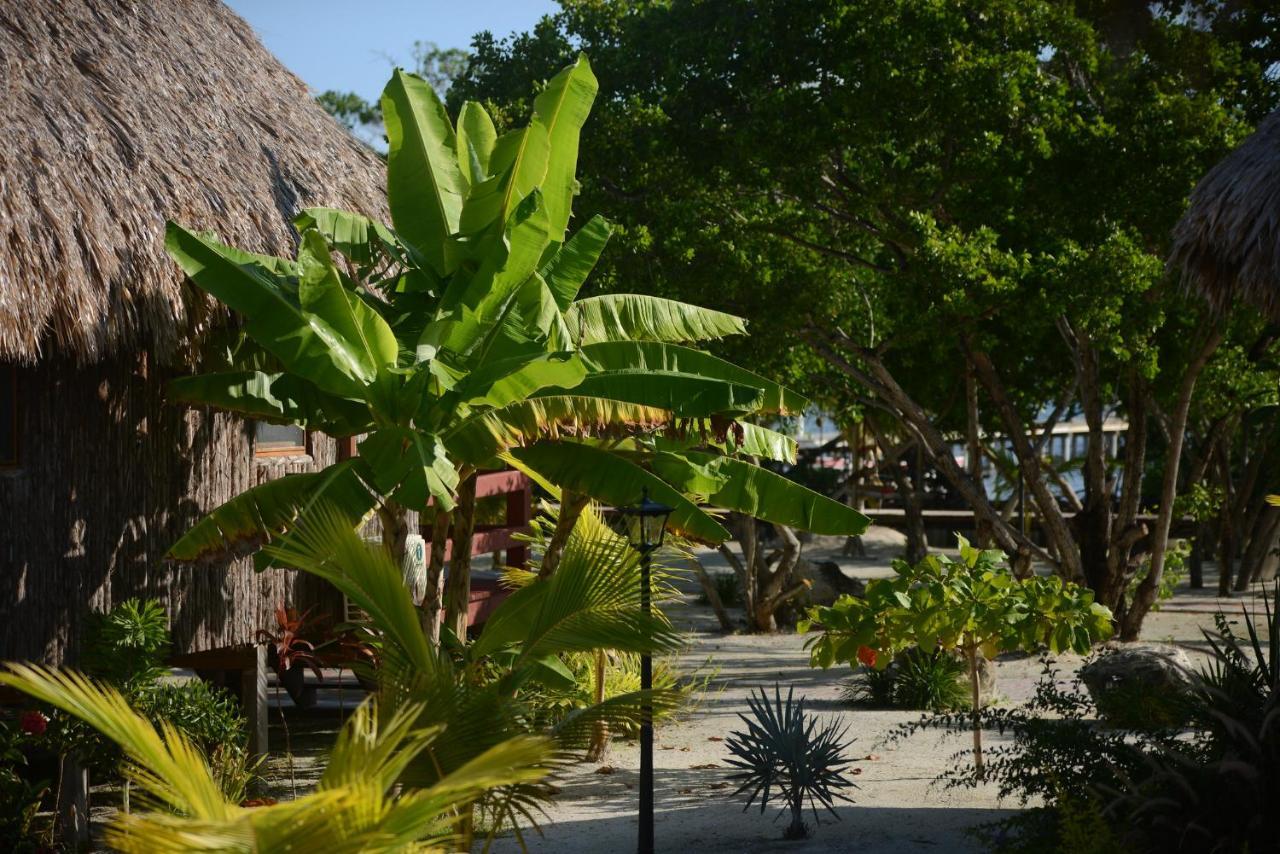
867 655
33 723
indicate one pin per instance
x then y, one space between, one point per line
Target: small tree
972 606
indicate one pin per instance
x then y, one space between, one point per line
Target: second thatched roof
1227 244
119 115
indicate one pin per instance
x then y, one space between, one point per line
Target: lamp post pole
643 526
645 845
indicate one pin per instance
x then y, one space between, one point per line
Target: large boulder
828 582
1140 685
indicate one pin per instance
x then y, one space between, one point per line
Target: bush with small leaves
973 606
783 750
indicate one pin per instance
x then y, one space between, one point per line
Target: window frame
260 453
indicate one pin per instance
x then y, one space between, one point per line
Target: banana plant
455 340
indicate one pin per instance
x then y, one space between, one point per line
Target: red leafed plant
290 647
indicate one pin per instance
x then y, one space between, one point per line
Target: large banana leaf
411 466
357 335
613 480
425 187
269 302
275 398
562 108
737 485
569 267
357 237
481 436
500 383
516 167
741 437
636 317
476 138
684 395
657 356
257 515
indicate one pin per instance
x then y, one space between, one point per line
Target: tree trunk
432 601
395 530
971 652
571 506
1261 543
913 515
458 586
599 745
713 595
1145 596
1051 518
1227 542
973 456
779 587
917 422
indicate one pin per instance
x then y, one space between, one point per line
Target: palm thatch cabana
117 116
1227 244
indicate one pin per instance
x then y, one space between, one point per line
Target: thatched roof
117 115
1227 245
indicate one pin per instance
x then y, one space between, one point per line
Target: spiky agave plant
1217 792
356 805
797 755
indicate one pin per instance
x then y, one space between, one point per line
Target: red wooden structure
486 593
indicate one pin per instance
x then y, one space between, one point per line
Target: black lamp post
644 525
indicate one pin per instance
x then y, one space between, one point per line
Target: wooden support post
73 805
518 512
253 699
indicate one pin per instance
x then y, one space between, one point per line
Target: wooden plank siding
110 475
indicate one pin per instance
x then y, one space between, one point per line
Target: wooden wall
110 475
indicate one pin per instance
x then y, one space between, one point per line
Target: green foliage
455 340
127 643
20 794
1215 791
943 603
125 649
791 756
932 681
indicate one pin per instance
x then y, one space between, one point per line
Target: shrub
930 681
973 606
20 795
785 751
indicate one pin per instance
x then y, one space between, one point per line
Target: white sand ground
897 808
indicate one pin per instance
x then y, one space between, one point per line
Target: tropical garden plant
788 754
974 606
456 340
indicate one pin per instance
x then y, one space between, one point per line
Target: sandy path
897 808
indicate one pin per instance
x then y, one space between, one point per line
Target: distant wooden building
117 116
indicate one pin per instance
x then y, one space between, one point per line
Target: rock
1140 685
828 582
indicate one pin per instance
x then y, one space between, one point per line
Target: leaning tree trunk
1261 544
1145 596
779 586
713 595
458 587
571 506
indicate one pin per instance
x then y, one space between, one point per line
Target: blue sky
351 46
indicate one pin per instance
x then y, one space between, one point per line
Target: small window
8 416
279 440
